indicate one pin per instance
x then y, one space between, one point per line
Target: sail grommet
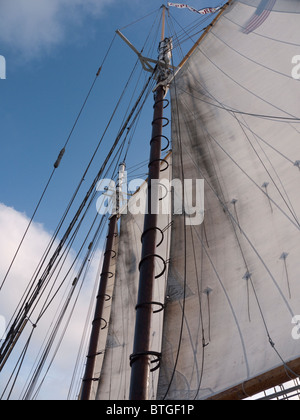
297 163
158 256
162 306
154 228
134 357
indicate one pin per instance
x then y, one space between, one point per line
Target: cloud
34 26
12 227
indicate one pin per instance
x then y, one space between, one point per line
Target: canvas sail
114 380
233 283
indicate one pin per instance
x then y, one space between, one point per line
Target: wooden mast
102 294
141 357
96 328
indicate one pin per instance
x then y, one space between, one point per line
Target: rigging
56 165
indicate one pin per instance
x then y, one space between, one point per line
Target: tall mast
101 296
96 327
141 357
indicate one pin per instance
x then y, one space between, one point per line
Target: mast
101 297
141 356
93 350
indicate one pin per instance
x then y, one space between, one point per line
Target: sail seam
263 36
250 178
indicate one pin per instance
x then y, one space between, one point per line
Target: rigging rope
50 342
224 205
236 111
24 311
34 292
184 248
56 165
296 224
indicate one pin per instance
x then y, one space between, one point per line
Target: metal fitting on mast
162 68
164 71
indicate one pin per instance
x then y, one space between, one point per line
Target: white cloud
33 26
12 227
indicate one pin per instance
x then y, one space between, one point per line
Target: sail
114 379
107 307
233 285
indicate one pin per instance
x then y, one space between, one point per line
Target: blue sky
53 49
44 90
52 54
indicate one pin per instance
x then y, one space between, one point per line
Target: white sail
233 285
114 380
102 341
226 309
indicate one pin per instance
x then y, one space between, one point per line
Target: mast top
163 22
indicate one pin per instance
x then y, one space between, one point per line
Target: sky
52 50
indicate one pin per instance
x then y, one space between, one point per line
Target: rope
268 271
56 164
184 246
297 225
199 288
25 309
279 118
50 269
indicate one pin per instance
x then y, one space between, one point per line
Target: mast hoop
158 256
162 100
167 121
101 319
135 356
95 354
111 250
162 306
154 228
155 138
166 192
106 297
108 273
90 379
115 234
160 160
